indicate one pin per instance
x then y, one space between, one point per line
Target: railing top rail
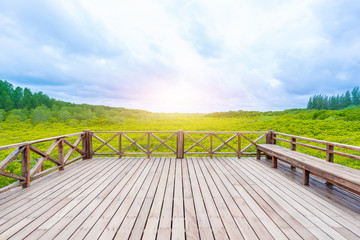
134 131
38 141
244 132
340 145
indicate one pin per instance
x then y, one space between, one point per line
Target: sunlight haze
175 56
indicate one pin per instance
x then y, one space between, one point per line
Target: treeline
19 98
19 105
335 102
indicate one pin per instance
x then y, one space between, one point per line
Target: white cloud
181 56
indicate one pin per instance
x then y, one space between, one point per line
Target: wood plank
202 193
339 201
38 192
74 222
205 229
314 204
20 194
291 217
164 229
11 186
120 188
248 210
191 225
213 214
58 221
149 216
310 216
178 227
267 214
233 219
314 162
55 209
120 204
135 197
334 173
143 199
26 221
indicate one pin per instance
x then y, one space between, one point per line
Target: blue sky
182 56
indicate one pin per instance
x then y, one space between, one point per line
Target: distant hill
21 104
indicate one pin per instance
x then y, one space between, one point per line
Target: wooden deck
168 198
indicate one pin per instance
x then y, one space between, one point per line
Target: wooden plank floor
168 198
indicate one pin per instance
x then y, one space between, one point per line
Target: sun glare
178 99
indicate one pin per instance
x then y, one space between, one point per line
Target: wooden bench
342 176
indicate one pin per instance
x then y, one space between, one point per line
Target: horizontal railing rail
174 142
329 147
27 152
60 151
24 162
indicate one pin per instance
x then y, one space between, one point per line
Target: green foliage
31 119
335 102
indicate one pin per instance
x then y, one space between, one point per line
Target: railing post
87 144
61 154
293 148
148 145
273 136
270 140
25 165
329 158
270 137
293 144
211 145
180 144
120 146
329 154
239 145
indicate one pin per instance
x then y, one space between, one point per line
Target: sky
182 56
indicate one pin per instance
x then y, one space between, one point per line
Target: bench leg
274 162
257 154
329 184
306 175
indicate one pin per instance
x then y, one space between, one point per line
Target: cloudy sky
182 56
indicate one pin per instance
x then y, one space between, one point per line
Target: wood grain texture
172 198
332 173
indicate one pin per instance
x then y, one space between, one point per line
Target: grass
298 122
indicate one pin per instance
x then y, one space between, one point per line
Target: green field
338 126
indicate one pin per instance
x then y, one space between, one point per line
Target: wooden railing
34 154
24 153
328 147
177 143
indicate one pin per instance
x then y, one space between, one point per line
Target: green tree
18 98
356 96
347 99
40 114
28 98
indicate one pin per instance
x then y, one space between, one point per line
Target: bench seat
333 173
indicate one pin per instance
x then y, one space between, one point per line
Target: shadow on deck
192 198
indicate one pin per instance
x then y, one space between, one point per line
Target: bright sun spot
178 98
